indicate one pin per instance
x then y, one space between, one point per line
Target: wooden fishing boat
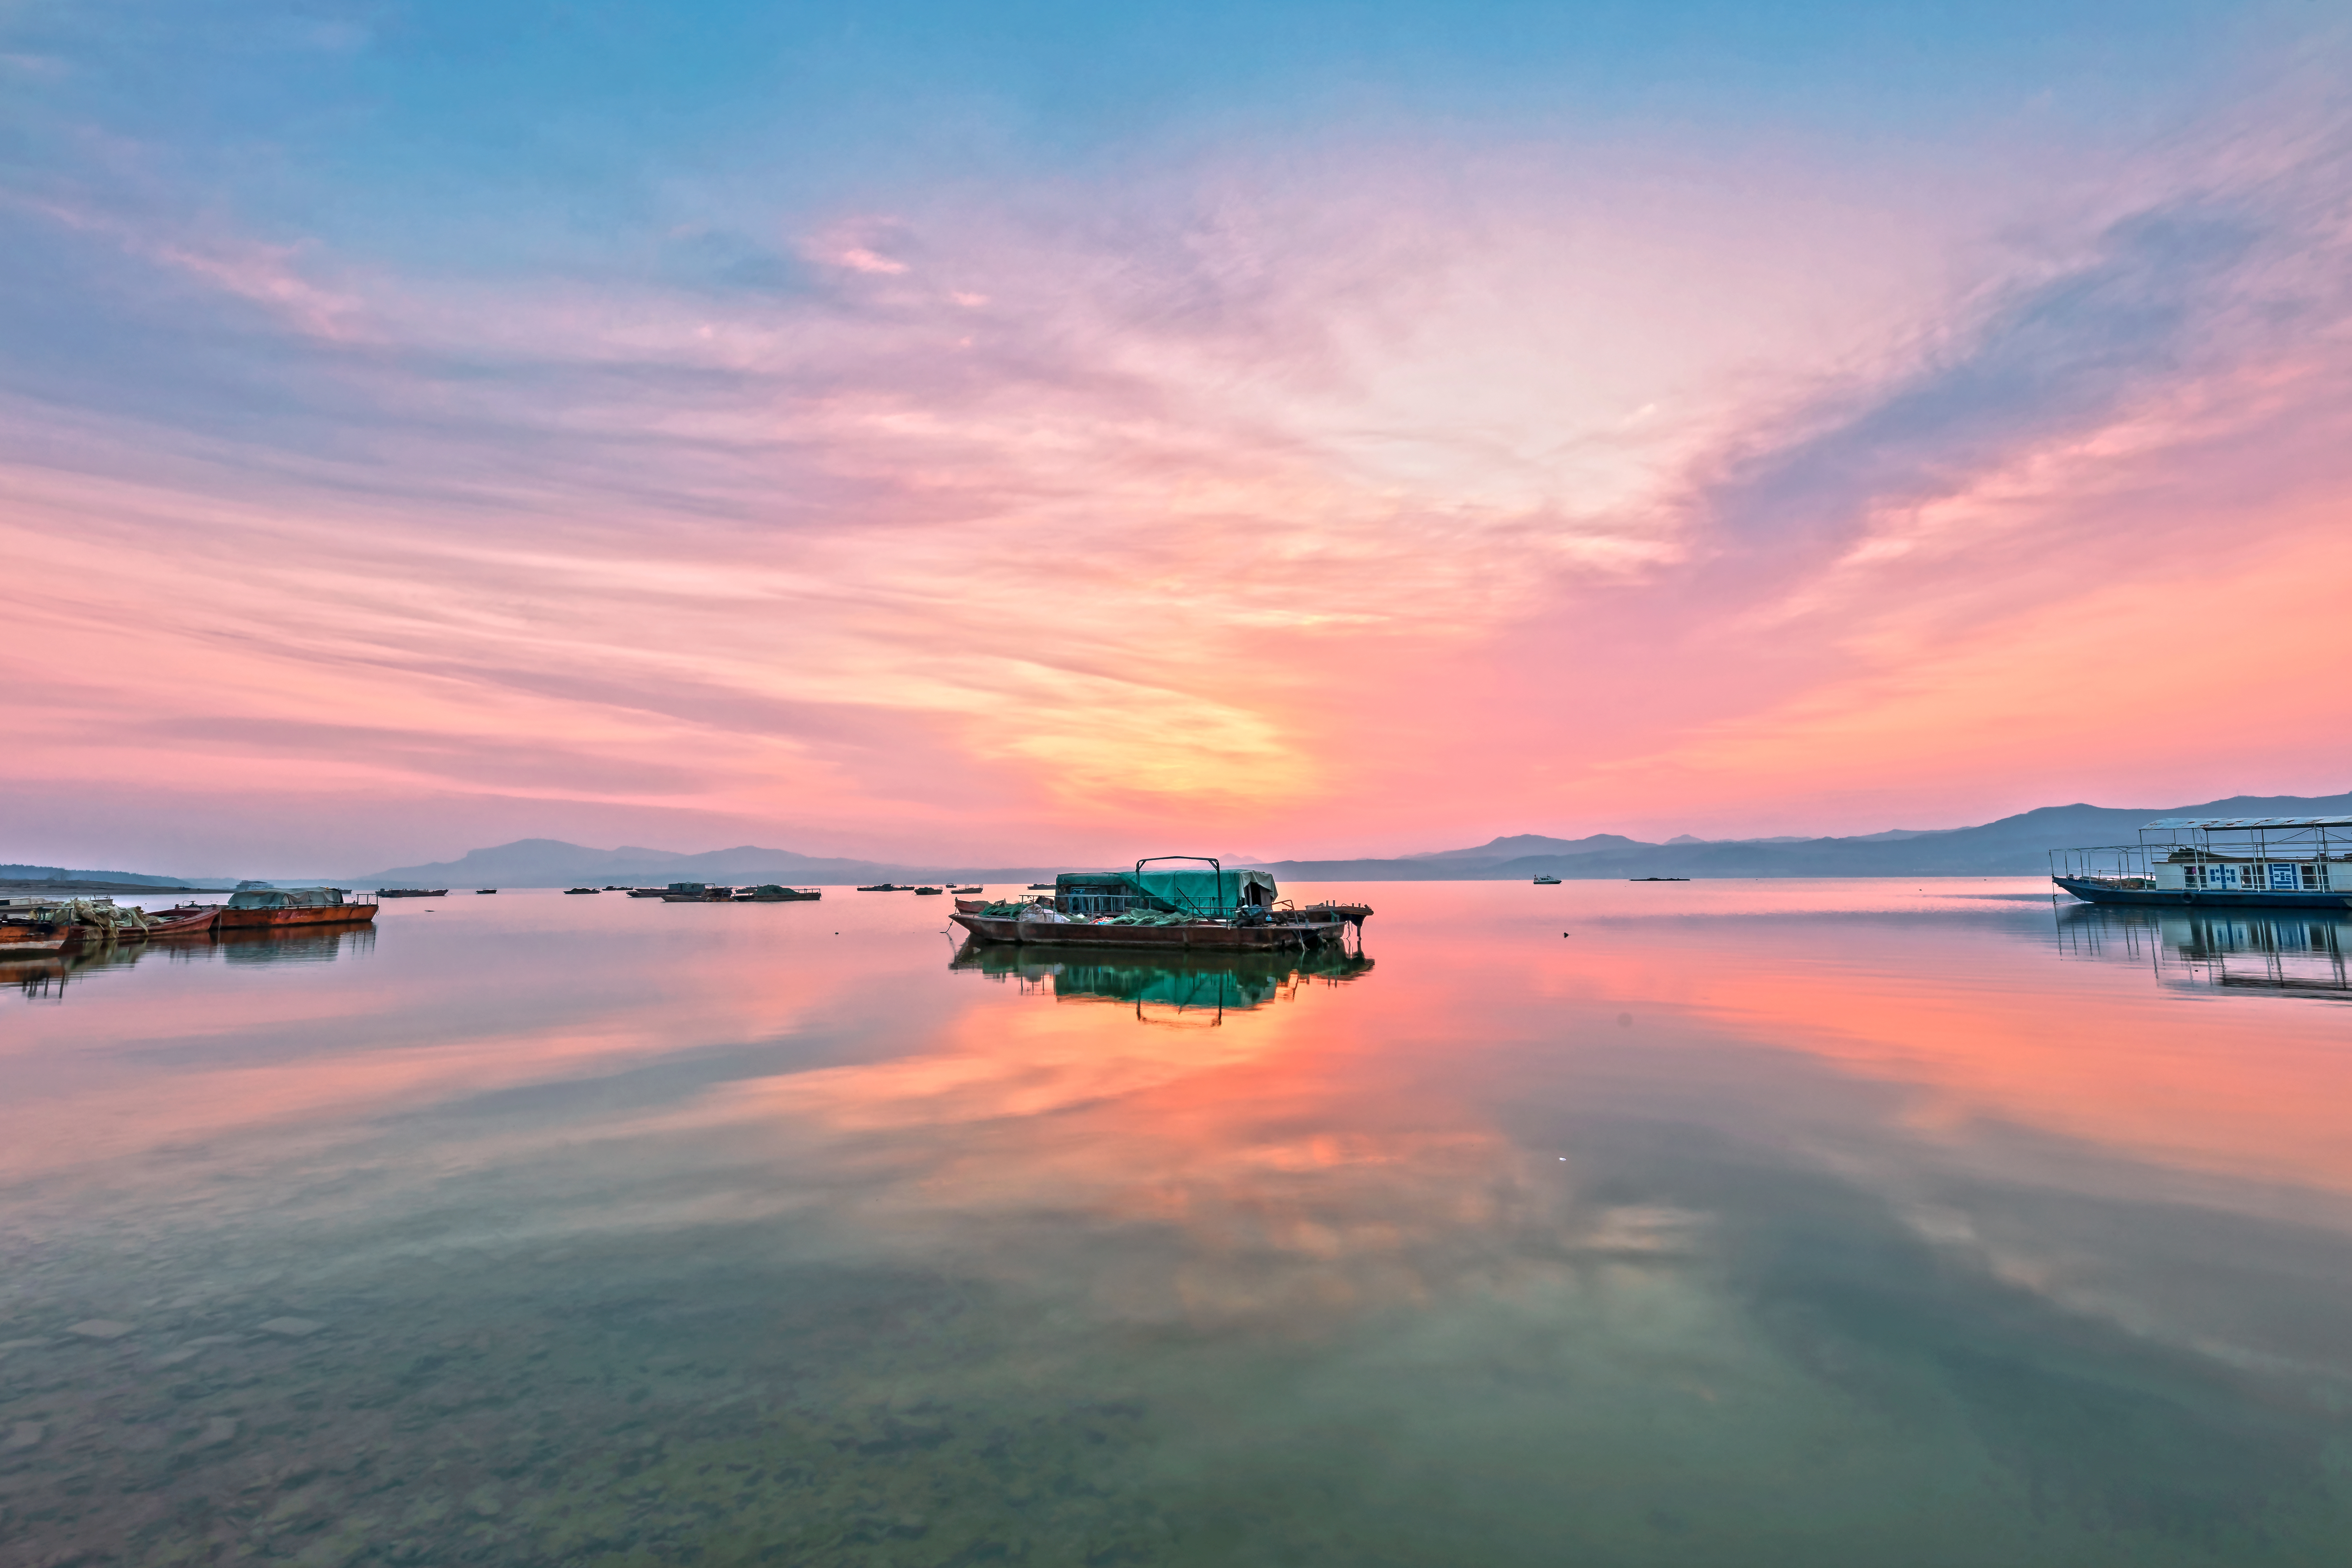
769 893
1191 936
569 891
411 893
251 908
1175 908
33 935
480 891
184 920
1546 882
931 890
886 887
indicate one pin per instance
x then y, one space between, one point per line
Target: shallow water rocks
98 1329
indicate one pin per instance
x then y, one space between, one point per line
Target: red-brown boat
249 908
182 920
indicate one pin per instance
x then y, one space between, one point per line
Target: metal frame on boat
2226 862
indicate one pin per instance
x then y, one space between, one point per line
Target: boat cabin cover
1208 892
285 898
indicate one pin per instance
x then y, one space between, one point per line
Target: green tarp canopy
285 898
1188 889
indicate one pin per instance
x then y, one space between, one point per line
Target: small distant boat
569 891
1041 887
480 890
1657 878
888 888
769 893
695 893
411 893
644 892
966 889
1546 882
930 890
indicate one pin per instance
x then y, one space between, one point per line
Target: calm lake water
1745 1223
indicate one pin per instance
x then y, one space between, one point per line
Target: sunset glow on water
1809 1222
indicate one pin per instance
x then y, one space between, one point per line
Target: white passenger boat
2218 862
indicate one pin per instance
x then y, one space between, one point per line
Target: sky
1045 432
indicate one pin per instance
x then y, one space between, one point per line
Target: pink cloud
1328 515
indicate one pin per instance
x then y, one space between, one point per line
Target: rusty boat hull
317 915
33 939
1195 937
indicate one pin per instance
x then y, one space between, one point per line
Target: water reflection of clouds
1855 1201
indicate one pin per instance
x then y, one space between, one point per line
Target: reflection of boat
2218 862
1188 983
2295 951
294 944
1183 908
44 976
255 907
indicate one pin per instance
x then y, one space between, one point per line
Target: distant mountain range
62 876
552 863
2014 845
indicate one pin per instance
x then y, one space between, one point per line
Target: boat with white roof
2222 862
